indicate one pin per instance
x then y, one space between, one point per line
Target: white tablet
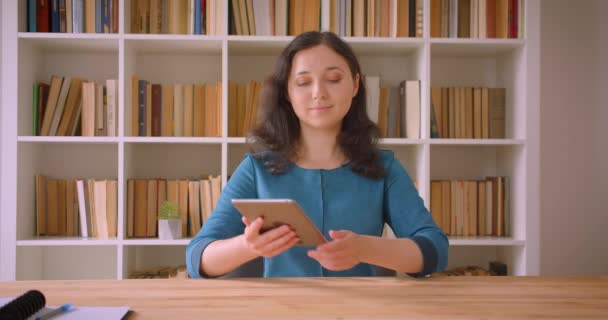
277 212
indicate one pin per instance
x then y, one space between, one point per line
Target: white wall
1 118
574 213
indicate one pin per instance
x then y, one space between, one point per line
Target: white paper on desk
77 312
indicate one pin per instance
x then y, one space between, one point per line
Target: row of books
471 207
195 199
477 19
161 272
70 106
396 109
177 16
73 16
468 113
243 101
358 18
176 110
76 207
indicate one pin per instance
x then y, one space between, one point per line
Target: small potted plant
169 223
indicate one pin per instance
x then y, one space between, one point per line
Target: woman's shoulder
387 157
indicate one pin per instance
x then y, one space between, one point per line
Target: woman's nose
319 91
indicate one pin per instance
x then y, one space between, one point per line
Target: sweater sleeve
225 221
406 214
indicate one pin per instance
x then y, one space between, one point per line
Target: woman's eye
334 80
301 84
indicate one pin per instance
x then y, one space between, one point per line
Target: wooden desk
338 298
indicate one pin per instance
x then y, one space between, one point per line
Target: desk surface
338 298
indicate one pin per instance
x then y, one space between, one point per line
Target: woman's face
321 87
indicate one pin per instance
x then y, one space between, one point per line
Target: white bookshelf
30 57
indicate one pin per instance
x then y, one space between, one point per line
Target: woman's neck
319 149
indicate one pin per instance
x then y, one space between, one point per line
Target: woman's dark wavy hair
275 138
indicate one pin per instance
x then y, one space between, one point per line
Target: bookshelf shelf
200 59
478 142
187 140
64 241
485 241
47 139
155 242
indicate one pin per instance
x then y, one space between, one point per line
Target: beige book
112 207
89 16
218 109
437 203
236 15
403 19
189 92
155 16
472 207
152 208
469 113
412 95
446 205
198 113
216 189
452 95
162 194
177 12
233 113
52 228
51 104
130 207
62 208
140 221
101 208
496 112
477 134
167 107
186 116
58 115
383 112
481 208
41 205
241 105
210 110
194 214
206 201
112 107
485 133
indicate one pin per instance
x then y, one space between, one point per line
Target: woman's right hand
270 243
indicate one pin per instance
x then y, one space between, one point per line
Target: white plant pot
169 229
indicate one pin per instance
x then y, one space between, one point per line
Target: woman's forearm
402 255
223 256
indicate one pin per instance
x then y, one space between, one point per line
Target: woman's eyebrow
326 69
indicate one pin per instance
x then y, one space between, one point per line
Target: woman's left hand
341 253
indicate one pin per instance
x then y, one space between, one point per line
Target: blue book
55 16
105 16
197 16
32 16
98 10
141 110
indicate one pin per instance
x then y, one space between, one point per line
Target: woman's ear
356 89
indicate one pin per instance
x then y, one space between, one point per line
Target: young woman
315 144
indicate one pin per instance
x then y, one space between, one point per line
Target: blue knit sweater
336 199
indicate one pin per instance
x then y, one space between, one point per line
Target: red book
513 18
44 15
491 18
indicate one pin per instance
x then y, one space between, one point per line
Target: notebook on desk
80 312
